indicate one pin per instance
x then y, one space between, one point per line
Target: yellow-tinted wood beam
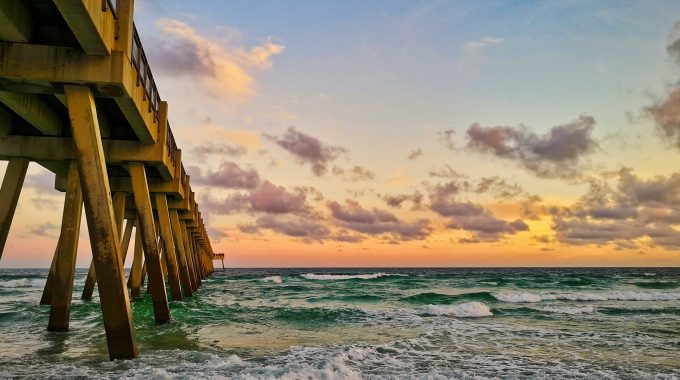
169 245
119 213
181 255
32 109
115 304
148 232
189 256
62 284
46 298
9 196
94 29
135 280
16 23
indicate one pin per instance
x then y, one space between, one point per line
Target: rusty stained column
46 298
135 279
94 181
169 245
9 195
65 268
119 213
147 230
182 264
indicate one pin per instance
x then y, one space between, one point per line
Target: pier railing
145 77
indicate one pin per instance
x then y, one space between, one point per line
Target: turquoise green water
372 323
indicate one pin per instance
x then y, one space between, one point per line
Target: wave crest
274 279
527 297
333 277
465 310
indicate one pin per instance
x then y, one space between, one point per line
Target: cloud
44 229
396 201
664 111
228 176
446 139
353 216
557 154
446 172
303 228
41 183
221 69
472 52
499 187
234 203
414 155
469 216
308 150
635 211
210 148
266 198
272 199
357 173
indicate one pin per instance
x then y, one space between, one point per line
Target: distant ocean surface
367 323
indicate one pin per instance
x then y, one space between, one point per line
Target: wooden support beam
16 23
34 110
181 254
93 28
169 245
119 213
62 285
135 280
46 298
125 245
9 196
115 304
148 231
189 255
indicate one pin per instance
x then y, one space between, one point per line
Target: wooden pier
77 97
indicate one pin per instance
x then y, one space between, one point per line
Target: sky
414 133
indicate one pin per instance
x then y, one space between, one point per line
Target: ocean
367 323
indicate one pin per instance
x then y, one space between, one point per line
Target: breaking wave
464 310
274 279
521 297
333 277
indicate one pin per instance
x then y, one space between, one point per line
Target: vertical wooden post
9 195
187 250
62 285
143 274
181 255
135 280
119 213
125 244
169 244
147 230
190 256
46 298
94 181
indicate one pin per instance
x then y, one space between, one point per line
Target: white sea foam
518 297
18 283
331 277
569 310
466 310
274 279
489 283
